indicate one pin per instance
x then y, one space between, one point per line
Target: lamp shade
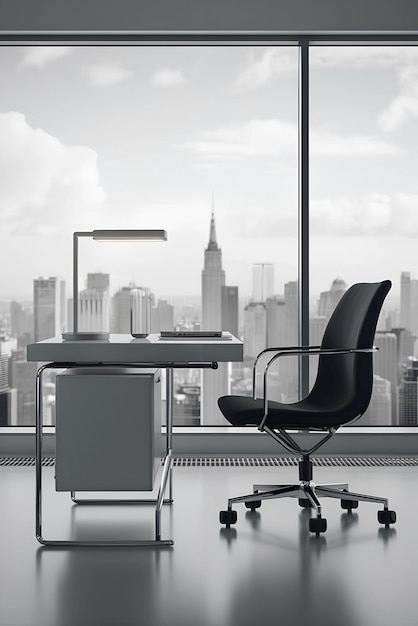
129 235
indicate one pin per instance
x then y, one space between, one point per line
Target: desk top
126 349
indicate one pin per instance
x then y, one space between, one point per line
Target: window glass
198 140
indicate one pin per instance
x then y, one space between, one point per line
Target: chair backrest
345 382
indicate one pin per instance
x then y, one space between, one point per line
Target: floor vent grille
281 461
284 461
25 461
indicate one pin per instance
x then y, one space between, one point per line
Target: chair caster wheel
386 517
317 525
349 504
255 504
305 503
228 517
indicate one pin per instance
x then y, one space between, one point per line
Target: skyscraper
276 321
120 315
405 315
94 304
8 397
162 316
289 374
48 307
408 394
22 373
409 303
292 312
230 309
385 365
255 329
328 300
21 320
214 382
213 279
379 411
263 281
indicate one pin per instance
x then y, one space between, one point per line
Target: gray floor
268 569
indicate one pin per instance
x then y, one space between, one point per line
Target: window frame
225 440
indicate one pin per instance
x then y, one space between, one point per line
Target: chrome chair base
309 494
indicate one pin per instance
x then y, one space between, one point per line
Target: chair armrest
281 351
299 351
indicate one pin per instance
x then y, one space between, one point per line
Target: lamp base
85 336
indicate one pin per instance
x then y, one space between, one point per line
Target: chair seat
245 411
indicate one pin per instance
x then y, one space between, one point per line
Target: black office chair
340 395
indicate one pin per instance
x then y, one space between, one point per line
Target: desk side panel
107 427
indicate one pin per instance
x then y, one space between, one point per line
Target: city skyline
271 321
179 300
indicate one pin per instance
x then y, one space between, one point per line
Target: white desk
125 351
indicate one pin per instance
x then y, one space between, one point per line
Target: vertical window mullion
303 213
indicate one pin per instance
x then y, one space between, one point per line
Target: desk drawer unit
108 429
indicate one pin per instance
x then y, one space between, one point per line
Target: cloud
325 143
405 105
168 78
362 57
275 138
264 65
261 68
254 138
104 75
40 56
371 215
402 60
45 183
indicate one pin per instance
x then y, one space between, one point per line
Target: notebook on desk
216 335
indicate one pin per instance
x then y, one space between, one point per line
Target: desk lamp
103 235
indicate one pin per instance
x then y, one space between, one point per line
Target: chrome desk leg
169 426
38 454
166 474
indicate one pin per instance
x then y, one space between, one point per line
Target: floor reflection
99 585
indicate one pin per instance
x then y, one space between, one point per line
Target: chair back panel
346 381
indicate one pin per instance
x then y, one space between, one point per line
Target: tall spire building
213 279
214 382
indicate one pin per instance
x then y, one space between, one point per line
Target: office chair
340 395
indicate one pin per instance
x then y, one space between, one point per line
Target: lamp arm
76 235
75 282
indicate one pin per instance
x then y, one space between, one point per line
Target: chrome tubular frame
166 476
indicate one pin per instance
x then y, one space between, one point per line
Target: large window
199 140
202 140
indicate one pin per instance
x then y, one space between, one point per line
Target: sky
159 136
